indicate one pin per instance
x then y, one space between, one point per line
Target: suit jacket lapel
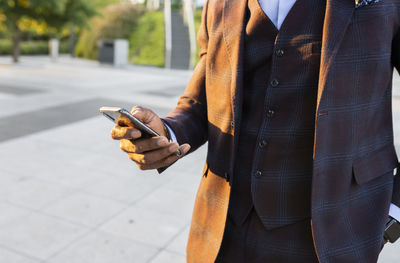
338 15
337 18
233 31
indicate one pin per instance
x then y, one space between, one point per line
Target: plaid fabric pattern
276 151
353 155
252 243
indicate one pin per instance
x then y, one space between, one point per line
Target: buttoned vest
273 169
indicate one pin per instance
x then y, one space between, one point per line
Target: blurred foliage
119 21
101 4
53 13
147 40
40 20
5 47
144 30
38 16
31 47
197 22
116 21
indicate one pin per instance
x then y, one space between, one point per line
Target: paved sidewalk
67 193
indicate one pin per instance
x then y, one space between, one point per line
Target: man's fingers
123 121
150 157
170 159
119 133
143 145
151 144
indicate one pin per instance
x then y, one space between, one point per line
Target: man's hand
147 153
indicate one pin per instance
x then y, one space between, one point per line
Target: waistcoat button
274 82
258 174
262 143
270 113
280 52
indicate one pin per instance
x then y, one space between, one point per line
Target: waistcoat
273 169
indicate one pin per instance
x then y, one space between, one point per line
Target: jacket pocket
375 164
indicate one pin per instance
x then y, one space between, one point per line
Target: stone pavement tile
6 97
39 101
84 76
79 142
390 253
29 156
73 176
91 135
127 188
184 182
396 83
84 209
178 244
43 157
10 213
34 193
186 173
146 226
48 118
9 177
100 247
149 101
38 235
19 91
54 162
396 116
168 257
114 163
169 201
43 151
53 167
8 256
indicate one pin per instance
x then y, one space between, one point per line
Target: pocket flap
375 164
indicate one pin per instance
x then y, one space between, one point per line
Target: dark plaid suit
353 155
273 172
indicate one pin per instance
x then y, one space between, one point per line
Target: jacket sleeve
189 119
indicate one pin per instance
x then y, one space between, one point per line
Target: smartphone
112 113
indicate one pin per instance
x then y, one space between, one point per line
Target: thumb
142 114
149 118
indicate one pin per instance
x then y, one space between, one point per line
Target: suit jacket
354 155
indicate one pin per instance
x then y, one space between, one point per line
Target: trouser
252 243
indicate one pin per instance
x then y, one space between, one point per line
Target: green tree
100 4
116 21
55 13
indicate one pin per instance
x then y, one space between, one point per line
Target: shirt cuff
394 212
171 133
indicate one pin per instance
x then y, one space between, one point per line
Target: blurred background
82 28
67 193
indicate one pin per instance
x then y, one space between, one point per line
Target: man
296 108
